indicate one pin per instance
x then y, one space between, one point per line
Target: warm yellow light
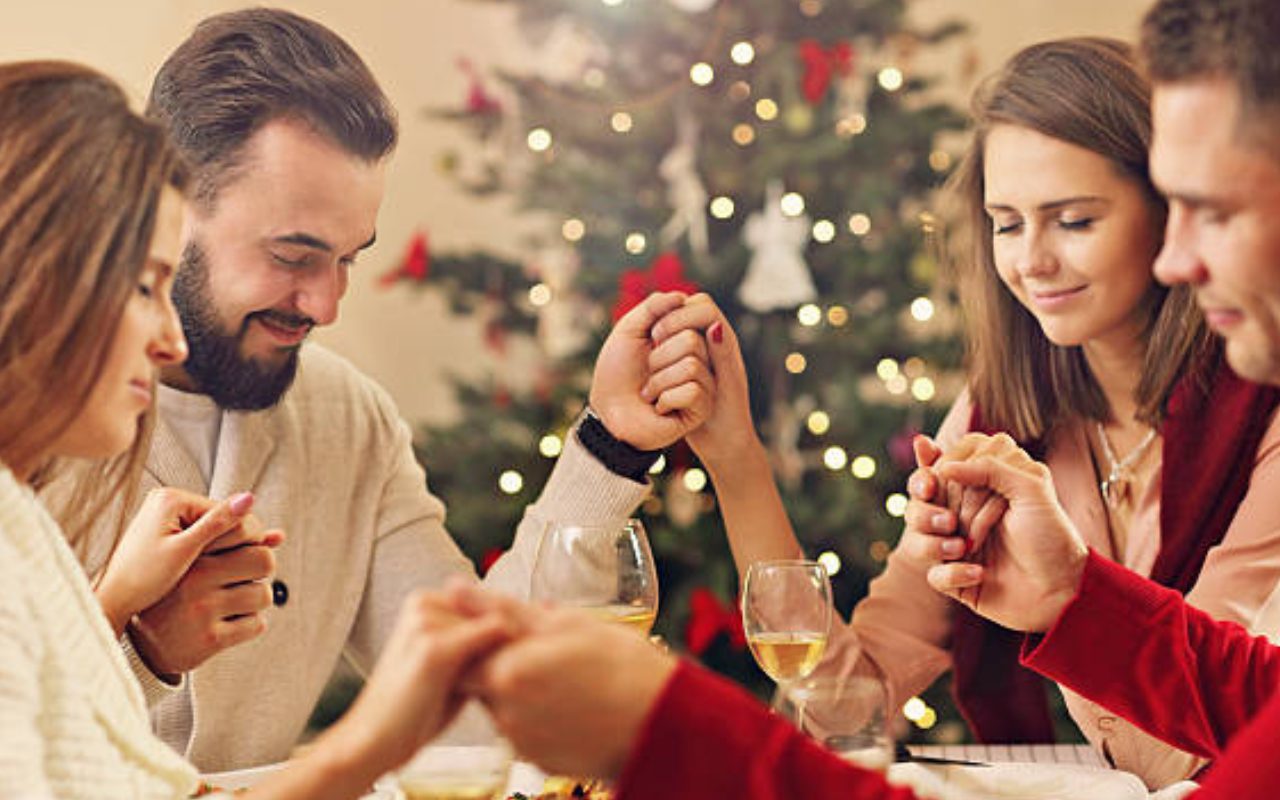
722 207
913 367
850 126
510 482
923 389
796 363
695 480
863 467
940 160
922 309
550 445
887 369
636 243
539 140
928 719
621 122
658 466
766 109
824 230
896 504
835 458
743 134
539 294
897 384
742 53
573 229
809 315
914 709
859 224
830 562
838 316
792 204
702 74
890 79
819 423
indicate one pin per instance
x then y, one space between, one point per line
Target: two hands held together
985 521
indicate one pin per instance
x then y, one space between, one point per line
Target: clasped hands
985 524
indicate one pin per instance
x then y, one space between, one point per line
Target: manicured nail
241 503
941 520
953 548
716 332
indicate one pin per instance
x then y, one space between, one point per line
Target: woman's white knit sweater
73 723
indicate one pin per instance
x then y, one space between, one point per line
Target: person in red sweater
578 696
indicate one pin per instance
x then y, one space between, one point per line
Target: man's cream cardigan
333 465
73 723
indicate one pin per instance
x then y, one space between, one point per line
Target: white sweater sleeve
21 745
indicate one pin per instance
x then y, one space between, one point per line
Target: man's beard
214 362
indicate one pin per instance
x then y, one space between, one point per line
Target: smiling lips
1056 298
142 390
285 335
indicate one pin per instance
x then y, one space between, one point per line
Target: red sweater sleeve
706 738
1138 649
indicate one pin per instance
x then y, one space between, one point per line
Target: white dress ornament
685 192
777 276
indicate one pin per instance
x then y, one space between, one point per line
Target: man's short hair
240 70
1238 40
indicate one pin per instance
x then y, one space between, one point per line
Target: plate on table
1019 780
246 778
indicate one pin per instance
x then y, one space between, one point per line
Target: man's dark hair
240 70
1238 40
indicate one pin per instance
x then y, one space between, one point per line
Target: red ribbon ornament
414 266
821 64
665 274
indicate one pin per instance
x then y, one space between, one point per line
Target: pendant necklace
1115 487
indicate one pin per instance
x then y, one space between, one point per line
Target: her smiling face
1073 238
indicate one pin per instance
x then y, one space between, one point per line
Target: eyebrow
316 243
1052 205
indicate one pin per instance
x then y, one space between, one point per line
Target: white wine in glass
786 613
605 570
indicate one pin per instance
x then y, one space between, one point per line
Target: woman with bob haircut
1076 352
90 216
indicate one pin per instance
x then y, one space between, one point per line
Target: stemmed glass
607 570
786 612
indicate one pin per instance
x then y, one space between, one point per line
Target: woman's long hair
1087 92
81 177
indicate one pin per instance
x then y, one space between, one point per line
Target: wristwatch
619 457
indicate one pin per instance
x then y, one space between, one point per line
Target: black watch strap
618 457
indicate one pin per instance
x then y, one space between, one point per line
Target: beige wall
403 338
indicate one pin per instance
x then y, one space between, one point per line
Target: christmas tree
780 155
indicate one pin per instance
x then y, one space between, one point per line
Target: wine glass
465 762
786 613
607 570
847 714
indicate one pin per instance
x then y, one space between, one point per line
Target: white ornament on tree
693 6
563 322
777 276
567 51
685 191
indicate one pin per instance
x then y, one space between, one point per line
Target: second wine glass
607 570
786 613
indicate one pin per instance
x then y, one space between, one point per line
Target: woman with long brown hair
1077 352
90 216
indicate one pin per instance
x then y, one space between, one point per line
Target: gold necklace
1115 487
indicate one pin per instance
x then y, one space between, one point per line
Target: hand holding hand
571 692
728 430
167 535
623 368
217 603
1028 568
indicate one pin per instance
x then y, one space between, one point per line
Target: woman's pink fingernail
716 332
941 520
241 503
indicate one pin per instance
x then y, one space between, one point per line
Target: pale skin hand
726 443
170 531
219 602
622 370
410 697
570 692
945 531
1028 567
